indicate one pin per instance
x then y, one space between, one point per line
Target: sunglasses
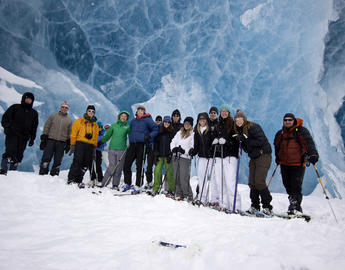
288 120
64 107
213 113
91 111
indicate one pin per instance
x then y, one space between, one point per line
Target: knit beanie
167 118
91 107
240 114
213 109
225 107
158 118
64 104
189 120
203 115
291 115
142 107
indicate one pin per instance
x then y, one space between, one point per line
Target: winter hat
167 118
176 112
107 126
158 118
91 107
188 119
203 115
100 124
291 115
125 112
225 107
213 109
64 104
141 107
28 95
240 114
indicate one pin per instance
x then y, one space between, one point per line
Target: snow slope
46 224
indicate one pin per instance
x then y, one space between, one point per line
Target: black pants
135 151
293 179
81 161
97 172
149 171
56 149
15 147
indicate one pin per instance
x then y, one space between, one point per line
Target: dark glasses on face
91 111
213 113
288 120
64 107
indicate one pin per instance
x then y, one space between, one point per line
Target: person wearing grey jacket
55 140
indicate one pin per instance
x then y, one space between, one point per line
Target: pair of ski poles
322 185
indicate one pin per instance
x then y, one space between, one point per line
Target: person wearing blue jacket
142 130
97 172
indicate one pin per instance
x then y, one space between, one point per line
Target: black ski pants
82 161
135 152
53 148
150 160
14 148
97 172
292 180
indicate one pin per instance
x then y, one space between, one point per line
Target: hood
29 95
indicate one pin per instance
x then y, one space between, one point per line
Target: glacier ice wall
267 57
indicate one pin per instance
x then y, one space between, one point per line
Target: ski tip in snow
170 245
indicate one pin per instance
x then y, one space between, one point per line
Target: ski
257 214
170 245
307 218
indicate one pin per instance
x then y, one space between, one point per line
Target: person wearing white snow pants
229 182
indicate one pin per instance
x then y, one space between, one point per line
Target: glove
175 150
169 159
241 137
313 159
67 146
191 152
277 161
215 141
147 138
71 151
31 142
181 150
99 144
44 139
221 141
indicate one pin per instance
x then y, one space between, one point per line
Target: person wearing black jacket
225 166
162 157
20 123
294 149
176 121
202 148
255 143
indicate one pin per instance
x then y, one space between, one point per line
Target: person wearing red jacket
294 149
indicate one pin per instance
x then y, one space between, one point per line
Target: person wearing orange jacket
294 148
83 144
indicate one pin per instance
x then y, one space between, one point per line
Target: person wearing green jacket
117 134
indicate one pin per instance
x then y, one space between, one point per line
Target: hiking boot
81 185
126 188
3 172
252 210
267 212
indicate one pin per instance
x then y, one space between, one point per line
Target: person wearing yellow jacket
83 144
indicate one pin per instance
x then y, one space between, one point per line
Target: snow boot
255 198
13 165
55 171
44 168
266 199
4 166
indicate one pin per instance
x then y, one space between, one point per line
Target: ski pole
324 191
222 153
269 182
164 179
203 183
237 172
115 168
211 171
143 165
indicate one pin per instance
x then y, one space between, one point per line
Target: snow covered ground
46 224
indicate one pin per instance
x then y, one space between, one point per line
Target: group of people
167 144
